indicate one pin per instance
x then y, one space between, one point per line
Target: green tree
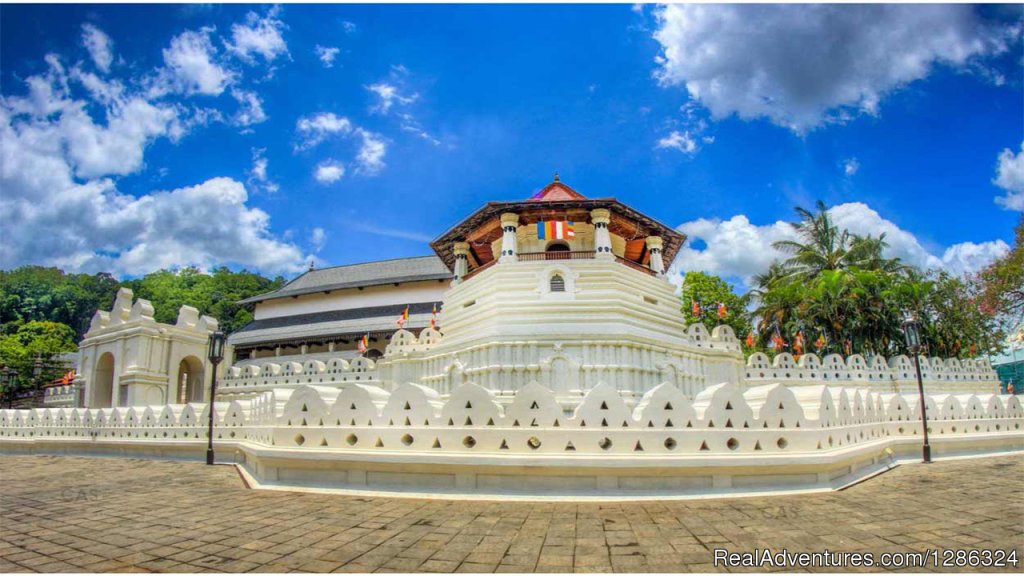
839 286
38 293
1001 284
36 339
708 291
214 294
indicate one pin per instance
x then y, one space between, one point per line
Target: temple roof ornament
555 201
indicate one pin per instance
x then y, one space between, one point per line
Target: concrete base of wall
538 477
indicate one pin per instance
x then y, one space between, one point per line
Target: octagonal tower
565 291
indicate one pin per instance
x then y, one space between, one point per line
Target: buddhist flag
777 342
798 342
433 317
722 311
820 342
405 316
363 344
750 339
555 230
695 308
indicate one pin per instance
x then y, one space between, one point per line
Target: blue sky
139 137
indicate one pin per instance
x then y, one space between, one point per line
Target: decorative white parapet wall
723 440
896 374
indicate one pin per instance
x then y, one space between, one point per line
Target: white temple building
558 363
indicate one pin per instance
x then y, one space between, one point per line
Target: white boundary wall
724 440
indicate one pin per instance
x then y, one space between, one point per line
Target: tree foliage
708 291
214 294
33 340
842 295
35 293
1001 284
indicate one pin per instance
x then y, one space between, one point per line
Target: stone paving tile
71 514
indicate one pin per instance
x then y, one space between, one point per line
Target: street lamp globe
912 334
216 349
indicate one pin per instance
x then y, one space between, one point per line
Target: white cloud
250 108
189 66
99 46
259 35
371 153
1010 177
349 27
259 164
411 125
388 95
258 177
681 141
312 130
317 239
329 172
57 160
738 248
801 66
116 148
389 232
850 166
315 129
327 54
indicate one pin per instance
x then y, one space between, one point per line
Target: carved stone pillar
654 245
461 250
600 218
509 226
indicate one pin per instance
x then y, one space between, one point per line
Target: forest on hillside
44 311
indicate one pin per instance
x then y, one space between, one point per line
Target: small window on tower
557 283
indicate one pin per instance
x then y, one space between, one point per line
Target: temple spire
556 176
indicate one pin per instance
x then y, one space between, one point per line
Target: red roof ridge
556 191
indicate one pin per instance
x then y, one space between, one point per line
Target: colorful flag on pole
722 311
820 342
798 342
695 308
363 344
405 316
750 339
433 317
777 342
555 230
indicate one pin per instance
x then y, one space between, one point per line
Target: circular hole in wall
300 439
782 443
670 443
469 441
605 443
407 440
533 442
732 444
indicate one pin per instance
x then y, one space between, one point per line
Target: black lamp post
215 355
912 333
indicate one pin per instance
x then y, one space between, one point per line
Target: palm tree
824 246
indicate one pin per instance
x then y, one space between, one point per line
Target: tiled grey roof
360 275
335 323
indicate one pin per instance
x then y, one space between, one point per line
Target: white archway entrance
103 382
189 380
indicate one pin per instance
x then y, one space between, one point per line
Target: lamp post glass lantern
912 334
215 354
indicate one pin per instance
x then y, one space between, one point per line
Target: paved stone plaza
101 514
